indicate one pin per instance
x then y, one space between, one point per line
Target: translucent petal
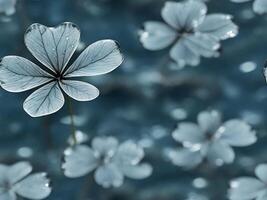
3 173
219 26
209 121
18 74
8 196
18 171
184 55
78 90
44 101
260 6
7 6
184 15
245 188
129 153
262 196
219 152
105 145
99 58
35 186
184 157
137 171
237 133
261 172
202 44
79 161
157 36
188 132
53 47
109 176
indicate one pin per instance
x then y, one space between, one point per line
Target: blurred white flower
8 6
17 180
80 137
259 6
54 47
250 188
210 139
188 31
110 161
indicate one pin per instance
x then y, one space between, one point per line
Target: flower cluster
110 160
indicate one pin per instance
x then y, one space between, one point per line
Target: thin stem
73 129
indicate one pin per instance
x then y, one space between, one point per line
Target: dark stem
73 129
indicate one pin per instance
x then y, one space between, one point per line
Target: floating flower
16 180
110 161
259 6
8 6
210 139
188 31
53 47
250 188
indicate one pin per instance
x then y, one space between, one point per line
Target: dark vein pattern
99 58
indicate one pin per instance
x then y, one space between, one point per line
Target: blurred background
143 100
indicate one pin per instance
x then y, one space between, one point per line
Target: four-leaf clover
53 47
189 31
16 180
210 139
110 161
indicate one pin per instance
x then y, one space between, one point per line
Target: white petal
129 153
35 186
137 171
3 173
78 90
8 196
237 133
99 58
202 44
185 15
260 6
261 172
219 152
209 121
105 145
262 195
157 36
53 47
219 26
109 176
187 132
245 188
184 55
18 171
7 6
44 101
184 157
79 161
18 74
